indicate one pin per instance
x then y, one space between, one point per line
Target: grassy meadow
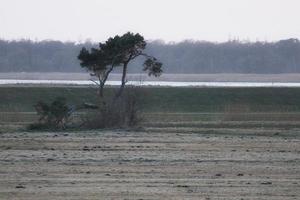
162 106
164 100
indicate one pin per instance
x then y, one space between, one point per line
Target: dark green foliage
121 48
118 51
92 61
153 67
115 52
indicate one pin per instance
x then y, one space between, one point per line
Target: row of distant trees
184 57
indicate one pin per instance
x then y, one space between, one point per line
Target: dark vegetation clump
124 112
52 116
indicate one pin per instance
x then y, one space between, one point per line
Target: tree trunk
119 93
101 87
103 81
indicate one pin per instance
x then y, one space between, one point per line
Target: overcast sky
169 20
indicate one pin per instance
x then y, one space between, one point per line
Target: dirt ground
151 164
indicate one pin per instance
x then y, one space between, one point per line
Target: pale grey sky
170 20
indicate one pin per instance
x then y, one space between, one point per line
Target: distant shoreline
87 83
225 77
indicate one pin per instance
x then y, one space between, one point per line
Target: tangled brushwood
119 113
52 116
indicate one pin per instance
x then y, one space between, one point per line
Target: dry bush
51 116
116 113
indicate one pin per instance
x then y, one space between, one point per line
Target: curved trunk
103 81
123 81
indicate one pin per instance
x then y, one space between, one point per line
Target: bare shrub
121 112
51 116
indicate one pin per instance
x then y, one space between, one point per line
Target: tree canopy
116 52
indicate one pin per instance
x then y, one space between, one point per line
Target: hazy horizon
170 21
161 41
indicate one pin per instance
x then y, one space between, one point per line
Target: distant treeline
184 57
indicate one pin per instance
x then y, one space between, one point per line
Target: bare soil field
152 163
193 144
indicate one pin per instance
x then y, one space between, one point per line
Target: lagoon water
150 83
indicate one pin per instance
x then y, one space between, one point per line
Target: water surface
151 83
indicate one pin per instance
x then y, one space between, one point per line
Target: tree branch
95 82
147 56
